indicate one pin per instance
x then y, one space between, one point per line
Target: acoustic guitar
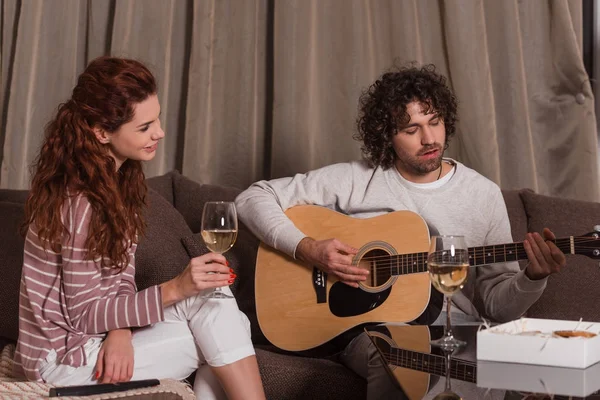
299 307
409 358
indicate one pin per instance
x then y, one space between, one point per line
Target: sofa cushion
11 259
293 377
516 213
160 254
190 196
573 293
163 184
14 196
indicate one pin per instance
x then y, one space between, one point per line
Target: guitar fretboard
402 264
432 364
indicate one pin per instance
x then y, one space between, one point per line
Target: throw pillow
189 198
573 293
163 184
160 255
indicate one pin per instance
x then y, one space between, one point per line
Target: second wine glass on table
448 266
219 232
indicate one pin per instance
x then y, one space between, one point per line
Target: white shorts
195 332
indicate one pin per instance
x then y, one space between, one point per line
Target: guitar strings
406 355
437 367
518 247
400 264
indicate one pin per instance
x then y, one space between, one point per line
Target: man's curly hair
383 109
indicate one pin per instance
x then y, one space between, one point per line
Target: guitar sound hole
378 263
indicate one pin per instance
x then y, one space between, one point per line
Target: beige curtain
254 89
208 56
526 106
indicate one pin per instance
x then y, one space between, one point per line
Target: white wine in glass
448 266
448 279
219 231
219 240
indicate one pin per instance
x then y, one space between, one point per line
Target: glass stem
448 353
448 324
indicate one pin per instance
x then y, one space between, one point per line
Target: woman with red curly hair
78 297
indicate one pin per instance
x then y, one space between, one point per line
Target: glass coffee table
419 369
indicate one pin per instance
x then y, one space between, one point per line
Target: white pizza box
507 343
539 378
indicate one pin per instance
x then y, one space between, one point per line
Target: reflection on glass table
420 369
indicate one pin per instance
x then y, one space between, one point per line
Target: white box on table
539 378
501 343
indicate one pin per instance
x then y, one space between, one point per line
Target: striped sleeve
127 284
89 310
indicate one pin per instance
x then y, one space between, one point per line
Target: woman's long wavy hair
72 161
382 109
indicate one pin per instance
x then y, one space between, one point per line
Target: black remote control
87 390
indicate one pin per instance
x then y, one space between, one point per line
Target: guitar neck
402 264
432 364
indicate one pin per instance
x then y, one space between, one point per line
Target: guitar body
415 383
300 308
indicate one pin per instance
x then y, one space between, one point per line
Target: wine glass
219 231
447 394
448 265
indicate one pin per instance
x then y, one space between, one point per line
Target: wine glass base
217 295
447 395
448 343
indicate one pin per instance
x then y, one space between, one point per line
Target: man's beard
415 166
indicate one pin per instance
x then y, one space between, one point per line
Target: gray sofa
174 218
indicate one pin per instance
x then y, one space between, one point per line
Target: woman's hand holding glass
208 271
219 231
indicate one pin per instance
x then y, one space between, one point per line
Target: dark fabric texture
5 341
516 213
517 216
190 196
163 185
293 377
14 196
160 254
11 257
573 293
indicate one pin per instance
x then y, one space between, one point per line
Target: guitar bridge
320 284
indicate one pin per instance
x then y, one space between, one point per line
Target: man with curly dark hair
406 119
388 105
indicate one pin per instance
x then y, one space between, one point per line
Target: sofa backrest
516 213
11 261
173 236
572 293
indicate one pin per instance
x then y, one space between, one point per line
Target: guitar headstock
588 244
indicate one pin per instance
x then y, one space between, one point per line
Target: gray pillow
160 254
573 293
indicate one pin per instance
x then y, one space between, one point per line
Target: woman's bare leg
241 379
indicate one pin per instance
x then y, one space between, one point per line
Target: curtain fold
254 89
225 118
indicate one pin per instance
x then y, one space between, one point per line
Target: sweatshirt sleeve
262 206
506 291
89 309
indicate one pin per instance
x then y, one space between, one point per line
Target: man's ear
101 135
